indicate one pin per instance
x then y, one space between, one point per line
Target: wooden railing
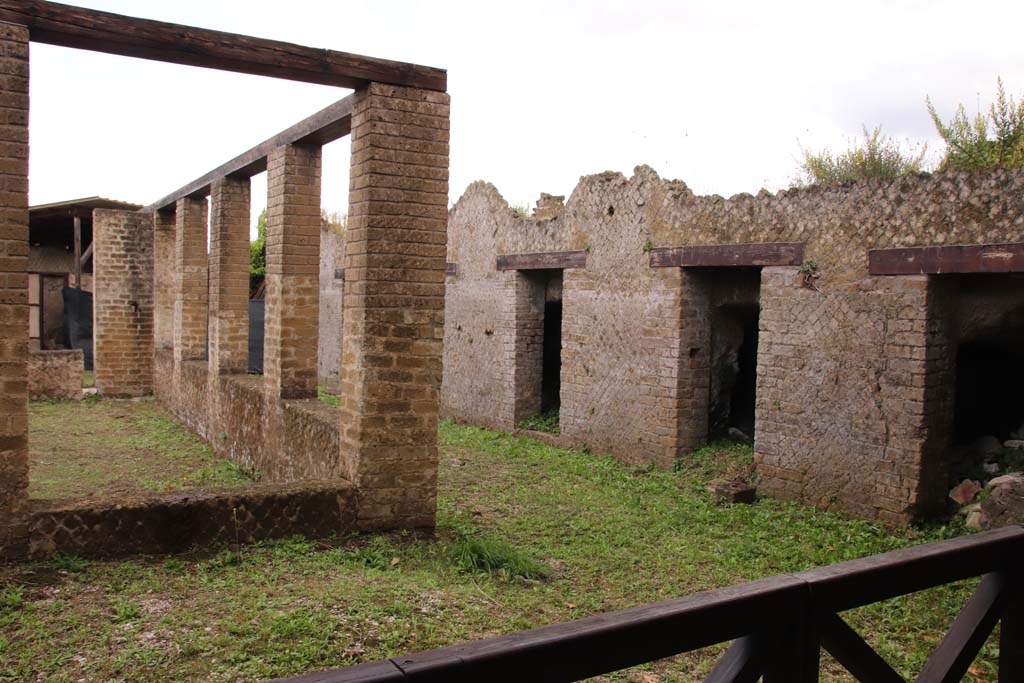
779 626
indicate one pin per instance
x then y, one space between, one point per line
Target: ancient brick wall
123 302
637 341
55 374
13 289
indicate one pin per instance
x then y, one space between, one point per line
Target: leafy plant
877 156
648 246
258 254
545 422
986 141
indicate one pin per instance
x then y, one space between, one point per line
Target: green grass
545 422
104 446
527 535
88 380
325 395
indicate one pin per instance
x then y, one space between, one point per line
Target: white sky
718 94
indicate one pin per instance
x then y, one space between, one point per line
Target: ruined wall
332 252
55 374
186 520
849 373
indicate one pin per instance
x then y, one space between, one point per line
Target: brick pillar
13 290
528 334
229 276
394 302
293 272
693 384
123 302
191 279
163 279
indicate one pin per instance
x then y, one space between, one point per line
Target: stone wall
852 371
123 302
55 375
187 520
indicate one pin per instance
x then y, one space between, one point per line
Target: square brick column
693 384
191 294
13 290
229 276
163 279
394 302
293 272
123 302
528 363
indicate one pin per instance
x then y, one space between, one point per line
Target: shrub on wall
986 141
878 156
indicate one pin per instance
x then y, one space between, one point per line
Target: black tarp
256 336
78 321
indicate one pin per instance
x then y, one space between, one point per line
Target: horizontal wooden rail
69 26
549 260
729 255
778 626
327 125
963 258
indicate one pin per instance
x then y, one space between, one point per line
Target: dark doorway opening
551 363
989 378
734 380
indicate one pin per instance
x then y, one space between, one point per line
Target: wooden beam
551 260
965 258
729 255
970 630
87 254
850 650
325 126
77 27
743 662
78 252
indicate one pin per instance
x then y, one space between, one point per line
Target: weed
496 557
546 422
648 247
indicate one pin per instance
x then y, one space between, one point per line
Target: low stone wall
187 520
55 374
283 440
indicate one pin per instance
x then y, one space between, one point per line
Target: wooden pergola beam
68 26
964 258
326 125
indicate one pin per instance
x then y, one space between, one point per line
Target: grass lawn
98 447
593 535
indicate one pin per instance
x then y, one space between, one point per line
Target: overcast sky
719 94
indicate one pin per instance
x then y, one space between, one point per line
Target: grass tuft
498 558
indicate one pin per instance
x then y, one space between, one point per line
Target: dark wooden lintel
326 125
964 258
729 255
550 260
451 269
87 29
